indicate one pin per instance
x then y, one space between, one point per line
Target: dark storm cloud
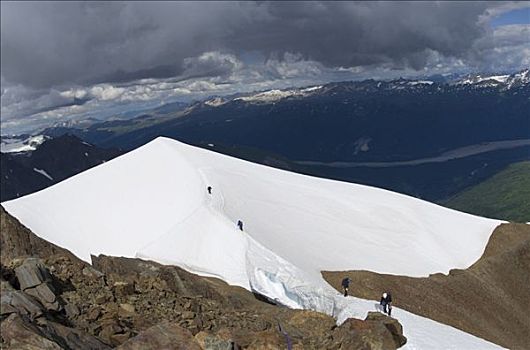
49 44
363 33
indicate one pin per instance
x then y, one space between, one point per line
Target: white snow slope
152 203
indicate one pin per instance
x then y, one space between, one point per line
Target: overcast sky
146 53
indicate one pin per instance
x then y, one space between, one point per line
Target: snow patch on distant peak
276 95
362 145
499 78
14 145
43 172
495 79
215 102
521 78
311 89
504 82
267 96
523 75
421 82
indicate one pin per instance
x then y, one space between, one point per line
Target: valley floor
444 157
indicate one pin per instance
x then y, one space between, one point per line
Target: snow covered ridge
215 102
152 203
478 79
505 81
421 82
276 95
17 145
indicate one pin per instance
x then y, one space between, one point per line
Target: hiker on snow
386 301
209 189
240 224
345 285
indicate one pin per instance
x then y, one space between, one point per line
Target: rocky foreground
52 300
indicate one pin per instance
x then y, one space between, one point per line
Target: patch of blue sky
518 16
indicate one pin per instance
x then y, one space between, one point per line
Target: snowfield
276 95
152 203
14 145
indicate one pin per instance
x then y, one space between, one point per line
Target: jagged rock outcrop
17 334
35 280
29 315
377 331
15 301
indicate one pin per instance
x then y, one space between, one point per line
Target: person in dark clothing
386 302
209 189
345 285
240 224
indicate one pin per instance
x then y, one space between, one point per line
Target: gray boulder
15 301
35 280
43 292
18 334
31 273
376 332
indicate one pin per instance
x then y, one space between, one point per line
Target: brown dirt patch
490 299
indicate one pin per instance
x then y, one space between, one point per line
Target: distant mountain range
350 121
358 125
47 164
